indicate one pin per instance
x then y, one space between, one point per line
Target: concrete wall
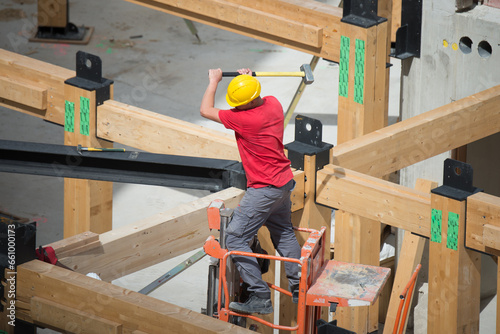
455 62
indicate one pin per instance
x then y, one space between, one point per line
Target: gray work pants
269 206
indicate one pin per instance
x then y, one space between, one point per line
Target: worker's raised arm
207 108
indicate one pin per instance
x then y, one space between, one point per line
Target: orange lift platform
322 283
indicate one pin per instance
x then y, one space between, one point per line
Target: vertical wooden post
362 109
53 13
454 271
307 153
311 216
87 203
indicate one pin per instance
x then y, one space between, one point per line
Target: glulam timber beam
156 133
37 88
125 250
374 198
32 86
421 137
362 108
307 25
88 204
57 298
483 223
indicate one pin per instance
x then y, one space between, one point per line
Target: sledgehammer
305 72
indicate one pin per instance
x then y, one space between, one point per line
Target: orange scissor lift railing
322 283
407 292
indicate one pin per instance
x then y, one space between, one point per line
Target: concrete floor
164 71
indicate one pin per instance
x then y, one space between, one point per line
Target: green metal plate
436 219
452 235
344 66
69 116
359 73
84 116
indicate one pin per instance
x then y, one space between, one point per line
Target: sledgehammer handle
266 74
233 74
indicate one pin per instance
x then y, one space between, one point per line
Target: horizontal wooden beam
23 93
374 198
54 315
306 25
76 303
491 236
156 133
76 244
33 77
483 223
421 137
128 249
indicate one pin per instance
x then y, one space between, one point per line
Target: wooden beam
483 223
311 216
152 132
363 102
152 240
50 314
23 93
297 195
31 72
491 236
76 244
410 256
454 271
117 121
362 108
109 306
362 195
53 13
306 26
421 137
396 18
88 204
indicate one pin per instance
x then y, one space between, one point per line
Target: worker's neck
252 104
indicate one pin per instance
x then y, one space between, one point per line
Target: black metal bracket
89 76
126 167
308 141
457 181
408 36
362 13
70 32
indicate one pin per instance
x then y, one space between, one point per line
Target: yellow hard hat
242 90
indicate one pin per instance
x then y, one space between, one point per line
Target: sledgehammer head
308 74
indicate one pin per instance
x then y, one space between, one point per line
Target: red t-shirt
259 135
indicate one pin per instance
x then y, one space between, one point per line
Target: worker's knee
233 242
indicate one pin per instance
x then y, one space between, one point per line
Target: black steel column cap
408 35
308 141
457 181
361 13
89 76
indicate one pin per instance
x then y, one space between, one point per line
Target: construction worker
258 123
